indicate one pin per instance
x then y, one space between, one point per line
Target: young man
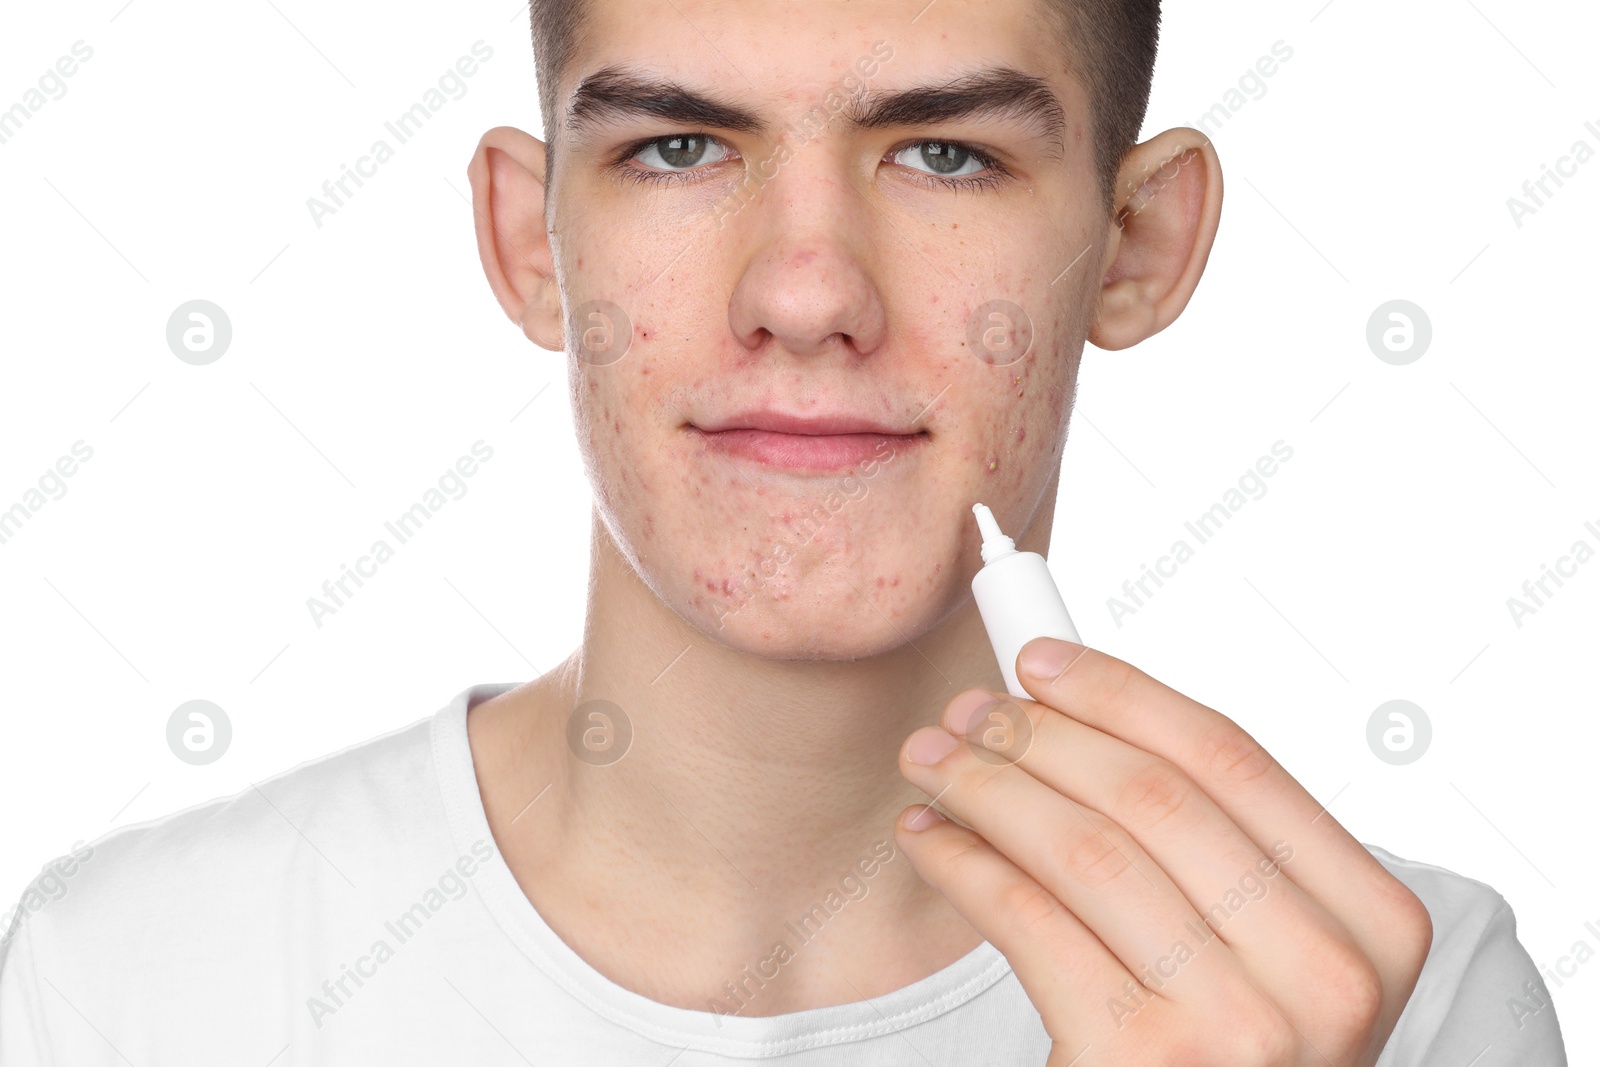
823 273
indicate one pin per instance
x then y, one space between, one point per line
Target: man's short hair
1111 44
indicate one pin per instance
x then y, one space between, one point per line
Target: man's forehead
983 21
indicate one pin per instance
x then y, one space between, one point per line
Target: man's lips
807 451
810 425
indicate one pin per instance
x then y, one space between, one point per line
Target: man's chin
844 633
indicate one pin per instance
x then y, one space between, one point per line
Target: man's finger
1065 970
1255 791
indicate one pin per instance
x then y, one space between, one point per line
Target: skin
767 717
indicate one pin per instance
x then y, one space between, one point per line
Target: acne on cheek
1017 450
721 583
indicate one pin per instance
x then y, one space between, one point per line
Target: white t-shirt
354 910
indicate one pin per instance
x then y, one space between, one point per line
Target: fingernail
1046 657
929 745
923 818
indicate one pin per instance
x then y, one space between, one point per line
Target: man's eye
680 151
945 159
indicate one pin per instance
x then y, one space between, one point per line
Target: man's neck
753 792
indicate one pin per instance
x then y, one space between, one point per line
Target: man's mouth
828 442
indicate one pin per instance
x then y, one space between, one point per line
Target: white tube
1017 599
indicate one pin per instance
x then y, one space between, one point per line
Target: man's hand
1165 892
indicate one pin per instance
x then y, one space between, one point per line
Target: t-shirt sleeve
1479 1000
1501 1014
22 1035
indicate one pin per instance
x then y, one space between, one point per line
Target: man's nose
807 281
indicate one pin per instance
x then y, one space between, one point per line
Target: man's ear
1168 204
507 175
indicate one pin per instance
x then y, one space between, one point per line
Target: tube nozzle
995 543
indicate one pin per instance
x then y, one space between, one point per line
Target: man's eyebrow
1000 92
619 92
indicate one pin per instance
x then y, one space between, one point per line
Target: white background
367 356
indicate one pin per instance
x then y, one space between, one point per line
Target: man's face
819 268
